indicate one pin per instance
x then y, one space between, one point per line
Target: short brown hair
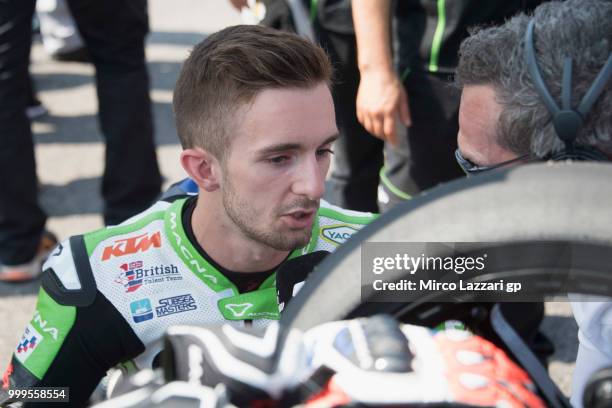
229 68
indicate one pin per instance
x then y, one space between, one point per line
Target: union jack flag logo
127 276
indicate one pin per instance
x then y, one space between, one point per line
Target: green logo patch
259 304
45 334
238 310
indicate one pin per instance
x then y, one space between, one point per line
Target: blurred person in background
114 32
58 31
404 97
507 119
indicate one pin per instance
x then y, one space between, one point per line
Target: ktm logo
140 243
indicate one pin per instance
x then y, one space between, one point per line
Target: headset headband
566 121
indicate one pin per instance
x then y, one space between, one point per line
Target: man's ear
202 167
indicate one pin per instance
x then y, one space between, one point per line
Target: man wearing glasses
506 118
538 88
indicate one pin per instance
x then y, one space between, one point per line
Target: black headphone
567 121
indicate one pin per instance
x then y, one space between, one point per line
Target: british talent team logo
141 310
134 275
28 343
128 276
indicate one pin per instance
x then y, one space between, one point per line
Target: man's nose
309 180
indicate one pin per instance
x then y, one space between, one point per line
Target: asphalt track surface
69 153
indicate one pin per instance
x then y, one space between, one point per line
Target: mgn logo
141 310
175 304
132 245
337 234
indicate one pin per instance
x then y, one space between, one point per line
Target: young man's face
274 173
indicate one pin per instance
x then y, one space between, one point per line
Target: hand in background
382 104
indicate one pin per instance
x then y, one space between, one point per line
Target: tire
568 202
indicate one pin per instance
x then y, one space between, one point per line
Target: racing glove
368 362
142 390
378 362
256 366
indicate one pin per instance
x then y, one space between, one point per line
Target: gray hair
580 29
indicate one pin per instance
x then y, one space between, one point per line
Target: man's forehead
288 116
479 108
478 120
478 116
279 102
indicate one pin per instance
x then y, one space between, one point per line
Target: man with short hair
538 88
502 116
256 121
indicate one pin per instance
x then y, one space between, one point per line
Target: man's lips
299 218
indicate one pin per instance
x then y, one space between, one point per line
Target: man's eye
324 152
278 159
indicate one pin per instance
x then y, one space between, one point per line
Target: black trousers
358 156
425 156
114 32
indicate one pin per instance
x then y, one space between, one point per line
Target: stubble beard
240 213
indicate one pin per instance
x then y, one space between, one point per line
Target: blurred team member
426 36
539 89
114 32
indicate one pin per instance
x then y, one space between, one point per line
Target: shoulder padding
67 275
181 189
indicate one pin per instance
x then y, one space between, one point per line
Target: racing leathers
107 297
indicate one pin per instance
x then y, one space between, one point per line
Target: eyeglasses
472 169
